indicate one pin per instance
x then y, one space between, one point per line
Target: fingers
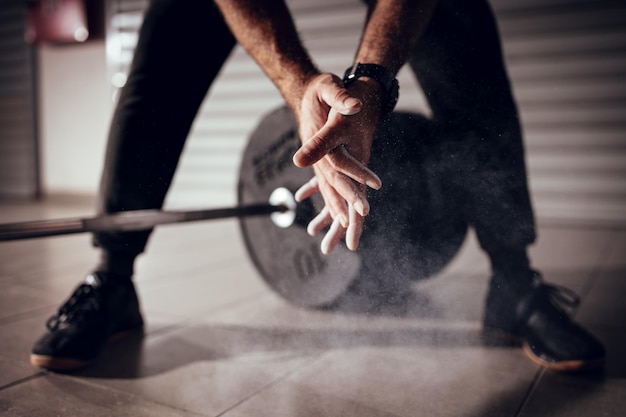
327 214
319 222
324 218
339 191
316 147
325 145
335 187
337 231
307 190
352 193
345 163
341 160
332 237
355 229
345 207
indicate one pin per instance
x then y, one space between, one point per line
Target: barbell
281 207
413 230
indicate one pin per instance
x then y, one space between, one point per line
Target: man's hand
337 130
337 127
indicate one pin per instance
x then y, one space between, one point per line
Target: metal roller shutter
19 175
566 61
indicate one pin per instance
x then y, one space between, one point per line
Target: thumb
349 106
341 100
316 147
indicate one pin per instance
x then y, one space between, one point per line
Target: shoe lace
82 303
564 300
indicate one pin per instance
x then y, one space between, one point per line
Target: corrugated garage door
19 175
567 63
567 60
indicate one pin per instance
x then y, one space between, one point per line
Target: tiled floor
219 343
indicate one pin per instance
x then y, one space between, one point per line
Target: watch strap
379 73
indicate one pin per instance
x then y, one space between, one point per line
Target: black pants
184 43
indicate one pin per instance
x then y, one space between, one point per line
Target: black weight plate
415 227
413 231
288 259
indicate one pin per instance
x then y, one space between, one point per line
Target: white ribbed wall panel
566 60
19 156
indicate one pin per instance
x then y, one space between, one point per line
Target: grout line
183 322
531 390
594 276
91 384
25 315
271 383
23 380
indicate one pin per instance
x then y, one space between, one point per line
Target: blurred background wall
566 59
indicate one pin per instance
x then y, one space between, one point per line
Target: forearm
267 32
393 28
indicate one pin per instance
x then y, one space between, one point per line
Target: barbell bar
281 208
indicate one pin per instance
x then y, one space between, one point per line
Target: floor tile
423 359
13 371
270 313
17 300
50 207
560 248
204 369
614 341
455 296
37 261
577 396
604 304
202 293
18 337
470 259
603 313
59 395
175 251
616 255
400 381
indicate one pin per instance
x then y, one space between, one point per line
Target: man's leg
460 66
182 46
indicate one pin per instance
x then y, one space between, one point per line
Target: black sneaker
541 320
99 310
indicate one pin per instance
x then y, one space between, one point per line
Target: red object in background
57 21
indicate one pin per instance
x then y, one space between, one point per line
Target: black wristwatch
379 73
